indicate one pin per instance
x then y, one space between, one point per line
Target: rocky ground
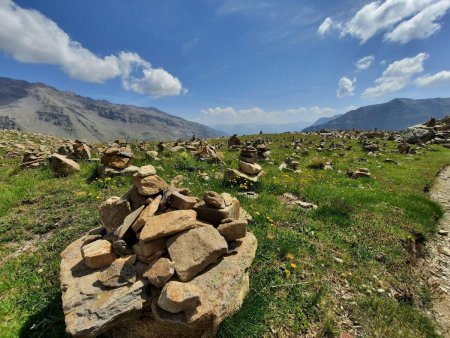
342 221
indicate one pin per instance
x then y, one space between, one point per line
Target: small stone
234 230
177 297
148 212
160 272
167 224
150 185
98 254
121 248
146 170
443 232
182 202
338 260
214 200
113 211
250 168
121 272
215 216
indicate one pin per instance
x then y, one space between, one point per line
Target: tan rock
214 200
115 161
176 297
150 185
182 202
148 212
62 165
160 272
192 251
121 272
215 216
148 249
250 168
125 231
231 175
113 211
98 254
146 170
167 224
233 230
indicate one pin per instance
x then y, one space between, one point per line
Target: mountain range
40 108
394 115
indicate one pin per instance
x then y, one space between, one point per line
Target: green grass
296 281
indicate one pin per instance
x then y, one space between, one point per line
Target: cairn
75 150
234 143
249 171
164 264
116 160
35 157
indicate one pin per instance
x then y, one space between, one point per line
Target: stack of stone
249 171
263 152
234 143
75 150
164 264
116 160
35 157
289 164
206 152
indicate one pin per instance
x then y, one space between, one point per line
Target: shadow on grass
48 322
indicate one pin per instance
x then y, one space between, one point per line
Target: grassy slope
297 285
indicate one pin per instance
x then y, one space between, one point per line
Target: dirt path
437 261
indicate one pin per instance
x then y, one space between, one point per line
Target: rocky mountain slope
394 115
39 108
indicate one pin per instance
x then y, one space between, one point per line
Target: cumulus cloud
365 62
399 20
397 76
325 27
438 78
29 36
421 26
346 87
230 115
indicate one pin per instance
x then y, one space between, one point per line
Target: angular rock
98 254
150 185
148 212
215 216
167 224
233 230
113 211
249 168
182 202
193 250
214 200
135 198
148 249
160 272
115 160
121 272
176 297
89 309
239 176
121 248
146 170
62 165
125 231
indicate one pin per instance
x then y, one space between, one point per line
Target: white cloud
29 36
429 80
421 26
230 115
399 20
365 62
397 76
346 87
325 27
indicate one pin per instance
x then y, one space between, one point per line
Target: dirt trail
437 261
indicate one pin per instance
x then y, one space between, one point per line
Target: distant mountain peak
40 108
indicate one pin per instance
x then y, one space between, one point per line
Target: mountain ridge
40 108
397 114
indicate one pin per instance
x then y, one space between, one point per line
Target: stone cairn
249 171
234 143
34 157
116 160
75 150
164 264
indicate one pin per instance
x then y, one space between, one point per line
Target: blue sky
232 61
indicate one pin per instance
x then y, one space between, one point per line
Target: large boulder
62 165
416 135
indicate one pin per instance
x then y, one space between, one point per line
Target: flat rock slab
225 285
192 251
167 224
89 308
